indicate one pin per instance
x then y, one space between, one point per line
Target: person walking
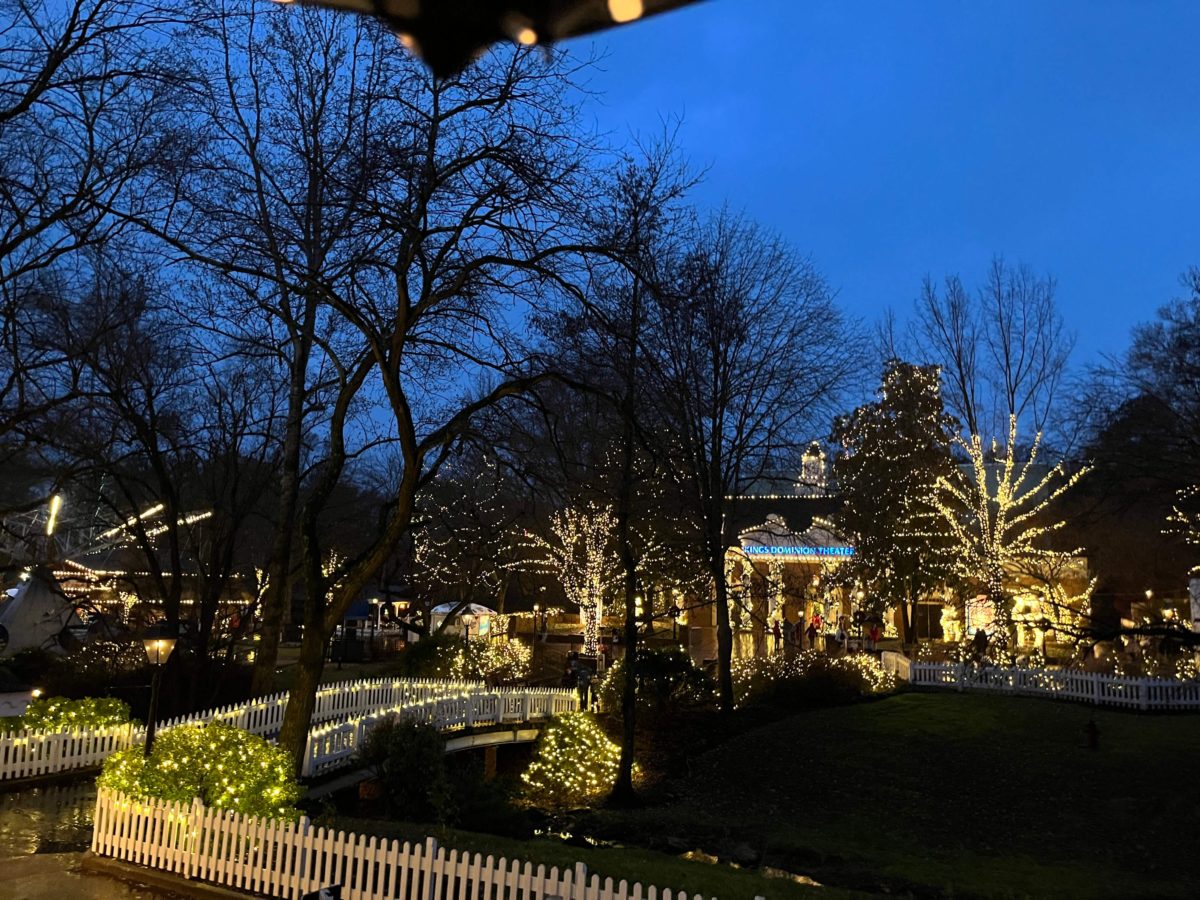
841 638
785 627
811 633
777 633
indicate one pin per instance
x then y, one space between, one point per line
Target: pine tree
893 453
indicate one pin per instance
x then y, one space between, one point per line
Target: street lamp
675 613
374 622
158 646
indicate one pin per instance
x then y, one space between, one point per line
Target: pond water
53 819
43 833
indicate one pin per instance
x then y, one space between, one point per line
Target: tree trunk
724 635
908 615
302 699
623 792
277 597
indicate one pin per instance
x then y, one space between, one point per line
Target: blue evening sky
893 139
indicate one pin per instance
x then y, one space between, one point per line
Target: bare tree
380 231
84 89
753 355
1003 350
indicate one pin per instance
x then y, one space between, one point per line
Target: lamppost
860 616
374 622
675 613
158 646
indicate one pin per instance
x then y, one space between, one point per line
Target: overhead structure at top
448 34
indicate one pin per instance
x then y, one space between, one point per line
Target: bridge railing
30 753
334 745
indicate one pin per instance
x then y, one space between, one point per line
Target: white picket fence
290 859
1063 684
333 745
896 664
25 754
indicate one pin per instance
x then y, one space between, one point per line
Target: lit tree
893 452
996 509
462 543
1184 519
584 559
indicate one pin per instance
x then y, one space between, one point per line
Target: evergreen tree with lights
892 454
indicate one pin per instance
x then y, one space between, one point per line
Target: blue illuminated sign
800 551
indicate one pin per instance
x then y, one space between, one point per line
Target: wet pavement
43 833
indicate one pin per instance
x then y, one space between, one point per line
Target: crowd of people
815 635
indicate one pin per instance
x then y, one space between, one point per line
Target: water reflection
52 819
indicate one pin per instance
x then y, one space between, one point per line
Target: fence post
194 839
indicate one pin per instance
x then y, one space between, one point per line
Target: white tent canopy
471 620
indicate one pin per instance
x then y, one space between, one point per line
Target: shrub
808 679
426 658
222 766
59 713
664 676
409 761
497 660
574 764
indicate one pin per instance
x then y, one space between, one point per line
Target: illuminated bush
809 679
499 660
223 766
575 763
59 713
664 676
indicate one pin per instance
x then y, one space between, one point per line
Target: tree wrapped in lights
222 766
1184 518
996 509
575 763
583 557
892 453
463 542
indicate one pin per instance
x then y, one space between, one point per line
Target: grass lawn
945 794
